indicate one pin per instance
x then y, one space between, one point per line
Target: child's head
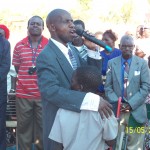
86 79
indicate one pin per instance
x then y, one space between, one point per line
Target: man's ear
51 27
119 46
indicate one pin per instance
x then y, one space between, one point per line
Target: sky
27 6
25 9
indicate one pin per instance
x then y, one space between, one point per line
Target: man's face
2 32
106 39
78 41
35 26
127 47
63 29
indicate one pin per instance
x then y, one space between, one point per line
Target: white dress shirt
83 131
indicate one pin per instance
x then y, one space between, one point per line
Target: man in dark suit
4 69
128 77
54 70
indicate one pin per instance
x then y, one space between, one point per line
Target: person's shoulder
3 40
137 58
140 60
117 49
4 43
22 42
115 59
117 52
44 40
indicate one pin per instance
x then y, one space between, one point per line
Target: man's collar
126 60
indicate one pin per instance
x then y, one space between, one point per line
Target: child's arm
110 130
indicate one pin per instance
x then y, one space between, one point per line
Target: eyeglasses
127 46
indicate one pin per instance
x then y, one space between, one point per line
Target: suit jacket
4 68
137 90
54 75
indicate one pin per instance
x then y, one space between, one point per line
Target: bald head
60 25
55 15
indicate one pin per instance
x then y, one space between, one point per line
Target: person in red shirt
28 99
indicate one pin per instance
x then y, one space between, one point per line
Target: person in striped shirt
28 98
78 41
81 44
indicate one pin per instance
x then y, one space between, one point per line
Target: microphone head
79 31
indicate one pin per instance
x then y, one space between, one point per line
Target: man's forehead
35 19
127 42
66 16
127 39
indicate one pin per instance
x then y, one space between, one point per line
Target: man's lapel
62 60
134 67
117 70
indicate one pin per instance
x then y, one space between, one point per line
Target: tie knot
126 63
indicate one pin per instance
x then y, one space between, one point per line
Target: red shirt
27 86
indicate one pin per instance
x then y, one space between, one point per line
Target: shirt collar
81 48
63 48
42 43
124 60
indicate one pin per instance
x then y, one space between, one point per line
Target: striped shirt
82 50
22 57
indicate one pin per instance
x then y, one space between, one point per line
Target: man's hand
126 108
105 108
90 45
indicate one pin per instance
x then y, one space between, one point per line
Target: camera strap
34 50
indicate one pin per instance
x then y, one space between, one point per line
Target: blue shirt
115 53
122 72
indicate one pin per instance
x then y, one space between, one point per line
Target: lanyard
34 51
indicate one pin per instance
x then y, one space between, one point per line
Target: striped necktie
72 59
126 73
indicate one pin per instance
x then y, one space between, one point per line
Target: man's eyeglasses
127 46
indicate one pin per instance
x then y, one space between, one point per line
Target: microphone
91 38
